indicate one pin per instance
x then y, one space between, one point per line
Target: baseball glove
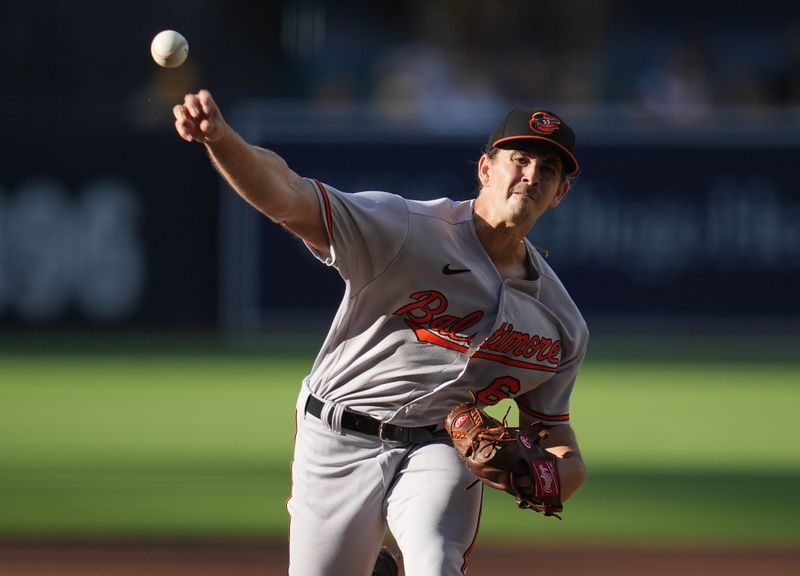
507 458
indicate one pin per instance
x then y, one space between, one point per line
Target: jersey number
500 389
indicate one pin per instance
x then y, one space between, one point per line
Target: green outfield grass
197 442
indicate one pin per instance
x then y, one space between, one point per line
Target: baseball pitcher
448 308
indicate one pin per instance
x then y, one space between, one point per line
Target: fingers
207 103
185 127
198 118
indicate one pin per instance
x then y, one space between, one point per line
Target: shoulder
374 198
362 208
451 211
443 208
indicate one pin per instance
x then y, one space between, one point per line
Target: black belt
374 427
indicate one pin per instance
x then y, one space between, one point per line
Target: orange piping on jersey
511 362
474 537
425 335
543 417
327 202
291 473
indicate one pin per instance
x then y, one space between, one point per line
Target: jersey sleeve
550 401
366 231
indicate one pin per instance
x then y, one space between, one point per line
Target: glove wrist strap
547 485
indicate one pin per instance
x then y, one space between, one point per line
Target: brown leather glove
507 458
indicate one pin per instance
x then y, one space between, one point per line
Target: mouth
526 191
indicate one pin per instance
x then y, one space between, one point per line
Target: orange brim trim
549 141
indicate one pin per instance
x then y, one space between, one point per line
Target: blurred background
687 116
145 311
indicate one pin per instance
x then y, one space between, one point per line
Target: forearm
258 175
563 444
572 473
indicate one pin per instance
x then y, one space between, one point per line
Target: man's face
518 186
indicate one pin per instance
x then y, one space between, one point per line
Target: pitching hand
199 119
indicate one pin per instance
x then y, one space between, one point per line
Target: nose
529 173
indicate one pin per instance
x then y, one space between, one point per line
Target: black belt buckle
392 433
381 434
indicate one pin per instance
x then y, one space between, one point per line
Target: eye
519 159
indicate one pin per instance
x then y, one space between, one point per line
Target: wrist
571 473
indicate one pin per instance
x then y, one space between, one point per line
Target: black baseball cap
526 124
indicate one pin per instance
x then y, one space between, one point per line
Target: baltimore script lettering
426 316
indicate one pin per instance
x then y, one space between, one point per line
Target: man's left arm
562 443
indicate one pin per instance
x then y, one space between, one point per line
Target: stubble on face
525 197
526 190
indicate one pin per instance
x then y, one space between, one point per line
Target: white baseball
169 49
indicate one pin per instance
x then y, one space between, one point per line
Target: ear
483 169
562 191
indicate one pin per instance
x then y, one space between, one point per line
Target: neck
505 246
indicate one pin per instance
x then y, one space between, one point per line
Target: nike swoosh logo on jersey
447 270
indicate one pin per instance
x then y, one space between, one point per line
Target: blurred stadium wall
684 218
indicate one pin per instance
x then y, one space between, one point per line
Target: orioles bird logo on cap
544 123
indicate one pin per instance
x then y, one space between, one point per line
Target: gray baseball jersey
426 317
